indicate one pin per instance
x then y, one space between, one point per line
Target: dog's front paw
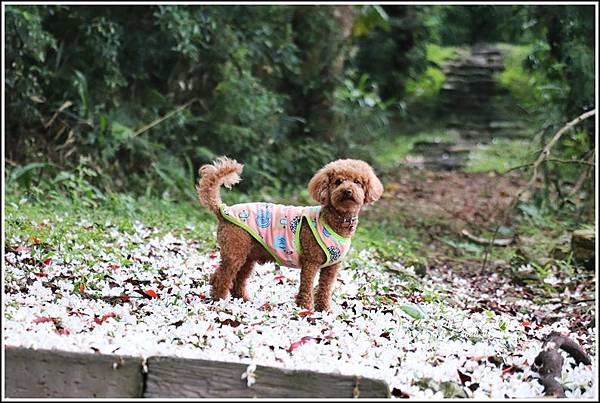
240 294
323 307
304 301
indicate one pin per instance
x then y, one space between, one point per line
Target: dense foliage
135 98
157 95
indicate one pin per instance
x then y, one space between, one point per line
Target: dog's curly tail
223 171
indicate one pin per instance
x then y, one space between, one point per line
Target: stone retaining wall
31 373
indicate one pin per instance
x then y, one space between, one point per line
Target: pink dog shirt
277 228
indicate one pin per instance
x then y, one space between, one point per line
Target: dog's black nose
347 192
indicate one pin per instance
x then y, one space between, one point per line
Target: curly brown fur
223 171
342 187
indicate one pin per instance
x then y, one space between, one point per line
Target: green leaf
120 132
413 311
25 170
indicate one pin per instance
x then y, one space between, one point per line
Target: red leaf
213 255
48 261
82 288
113 266
507 371
525 323
230 322
124 298
23 248
265 307
305 313
35 240
151 293
42 319
104 318
41 274
298 343
280 278
202 295
63 331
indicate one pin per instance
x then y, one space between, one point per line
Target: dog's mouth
346 198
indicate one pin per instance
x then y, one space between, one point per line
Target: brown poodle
311 238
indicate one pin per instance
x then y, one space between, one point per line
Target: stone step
466 74
457 92
470 80
474 67
487 125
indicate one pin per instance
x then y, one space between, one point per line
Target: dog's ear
318 187
374 188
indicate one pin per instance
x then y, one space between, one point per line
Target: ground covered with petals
139 290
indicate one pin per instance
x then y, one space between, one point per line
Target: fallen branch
549 362
484 241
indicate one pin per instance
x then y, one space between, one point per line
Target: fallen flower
249 375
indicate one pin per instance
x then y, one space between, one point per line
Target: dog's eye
338 181
357 182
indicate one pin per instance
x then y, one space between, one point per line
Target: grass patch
61 226
500 156
522 84
66 227
389 151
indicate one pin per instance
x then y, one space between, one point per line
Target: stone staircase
476 106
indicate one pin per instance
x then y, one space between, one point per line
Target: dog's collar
350 223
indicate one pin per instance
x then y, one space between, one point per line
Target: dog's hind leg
222 279
235 243
239 284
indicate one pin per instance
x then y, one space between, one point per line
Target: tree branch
546 152
163 118
582 162
543 156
